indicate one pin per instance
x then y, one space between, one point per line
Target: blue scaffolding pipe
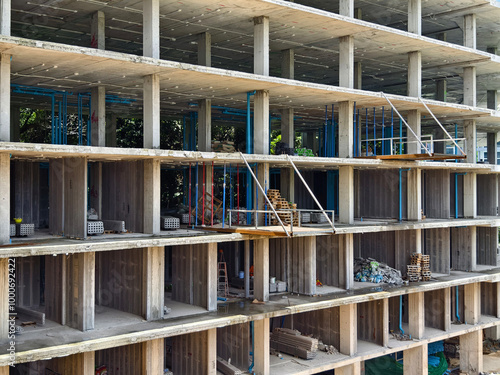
401 314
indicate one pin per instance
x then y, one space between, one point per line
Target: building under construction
248 186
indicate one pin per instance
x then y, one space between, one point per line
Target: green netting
387 365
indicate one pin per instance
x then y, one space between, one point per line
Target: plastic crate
95 227
185 219
12 230
305 217
26 229
169 222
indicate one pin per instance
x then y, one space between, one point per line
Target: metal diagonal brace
408 126
264 194
441 125
310 192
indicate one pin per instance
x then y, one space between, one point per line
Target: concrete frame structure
112 299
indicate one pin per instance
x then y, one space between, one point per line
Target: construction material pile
226 146
420 268
369 270
280 203
329 349
292 342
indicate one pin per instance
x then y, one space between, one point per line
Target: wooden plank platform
414 157
271 230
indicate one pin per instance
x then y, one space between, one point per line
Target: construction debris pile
329 349
420 268
369 270
280 203
292 342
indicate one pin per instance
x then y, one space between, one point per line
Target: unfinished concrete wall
373 321
56 189
394 312
437 194
119 280
55 285
406 243
190 353
278 258
456 195
380 246
378 193
437 309
123 360
234 342
463 248
329 261
28 279
489 299
457 293
123 193
486 245
77 364
437 245
487 194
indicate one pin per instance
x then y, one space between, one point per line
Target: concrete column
4 297
98 117
212 277
470 195
348 329
111 130
415 73
211 346
346 195
4 94
346 61
358 75
492 99
470 92
153 283
261 346
98 31
287 175
261 123
346 129
447 309
263 176
261 270
346 251
75 197
151 111
491 146
472 302
416 318
205 49
205 125
471 352
415 17
352 369
5 12
151 28
247 268
153 356
5 200
415 360
288 64
414 194
346 8
441 86
15 124
152 196
414 120
470 31
80 291
470 133
261 46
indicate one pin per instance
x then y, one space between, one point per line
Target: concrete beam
472 302
151 111
261 46
470 195
98 118
288 64
358 75
153 283
4 96
98 31
491 146
346 129
4 297
205 49
261 347
346 195
352 369
5 200
414 73
5 15
415 360
414 120
80 291
415 17
261 270
261 123
346 61
247 268
441 86
346 8
348 329
416 318
205 125
151 28
152 196
414 194
470 92
469 31
153 356
471 352
492 99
